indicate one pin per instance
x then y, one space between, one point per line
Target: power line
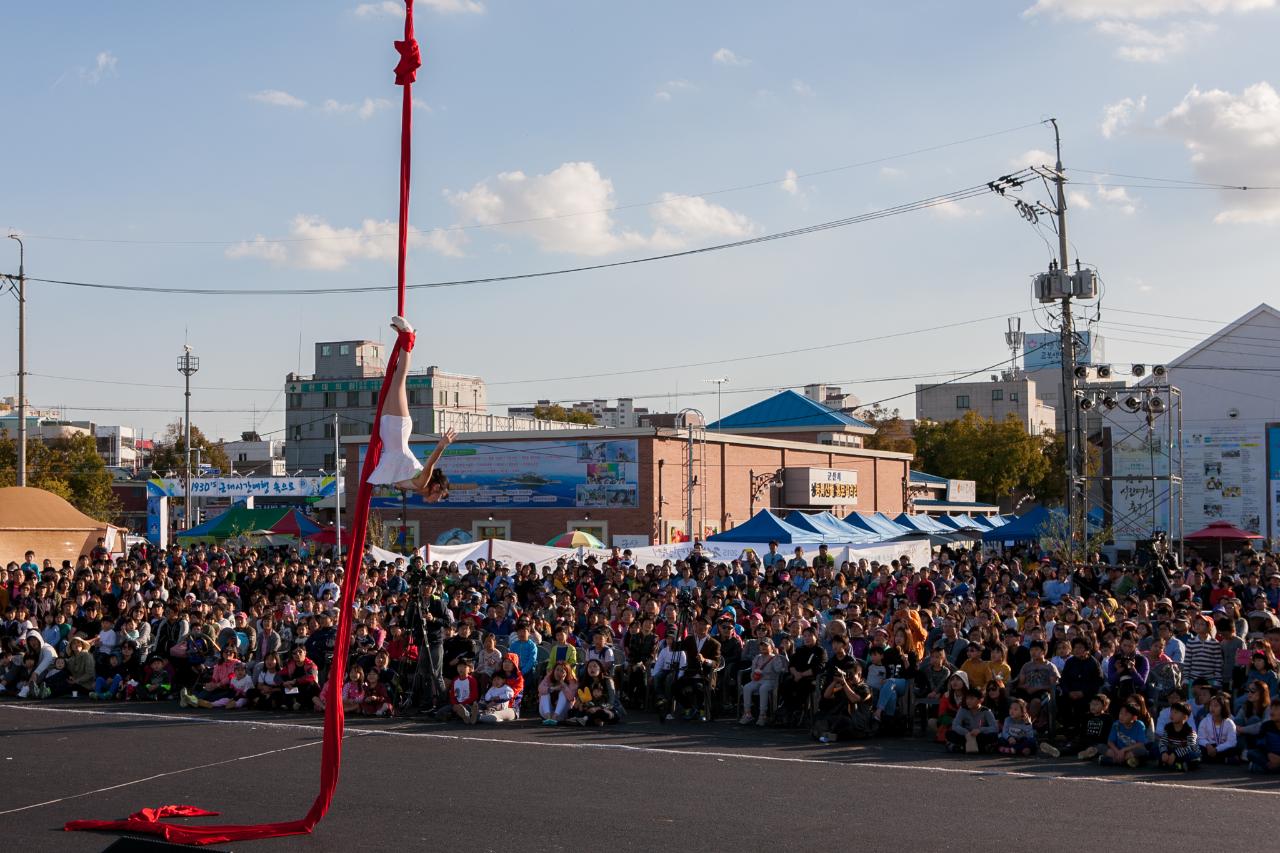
528 220
909 207
777 354
1207 185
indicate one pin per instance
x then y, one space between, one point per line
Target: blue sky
197 135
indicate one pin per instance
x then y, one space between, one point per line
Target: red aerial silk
149 821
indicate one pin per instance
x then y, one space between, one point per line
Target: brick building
642 485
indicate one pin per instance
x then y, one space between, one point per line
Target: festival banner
243 487
530 475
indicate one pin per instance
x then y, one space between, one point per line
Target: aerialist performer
398 466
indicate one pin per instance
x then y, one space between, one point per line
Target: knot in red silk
410 61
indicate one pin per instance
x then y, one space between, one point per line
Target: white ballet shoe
400 324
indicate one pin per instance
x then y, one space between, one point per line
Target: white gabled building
1230 386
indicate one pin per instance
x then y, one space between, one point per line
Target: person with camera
1127 670
428 690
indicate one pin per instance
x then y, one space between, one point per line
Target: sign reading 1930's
243 487
821 487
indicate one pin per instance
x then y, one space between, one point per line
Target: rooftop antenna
1013 340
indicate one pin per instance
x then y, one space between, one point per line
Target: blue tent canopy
962 522
878 525
923 523
764 526
985 522
827 524
1032 525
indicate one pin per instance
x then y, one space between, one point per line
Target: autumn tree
892 430
170 454
69 467
1001 457
556 412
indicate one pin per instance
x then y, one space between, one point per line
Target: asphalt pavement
639 786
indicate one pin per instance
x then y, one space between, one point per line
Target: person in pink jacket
556 694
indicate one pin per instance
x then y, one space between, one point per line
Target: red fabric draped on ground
149 821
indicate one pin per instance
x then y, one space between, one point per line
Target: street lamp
188 364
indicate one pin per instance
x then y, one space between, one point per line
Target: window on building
962 401
344 349
455 399
295 434
328 429
444 398
326 351
295 401
997 394
1013 396
353 399
242 457
328 462
330 399
417 398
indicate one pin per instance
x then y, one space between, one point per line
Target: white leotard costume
396 464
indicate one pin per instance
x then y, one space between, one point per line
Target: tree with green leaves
892 430
556 412
69 467
1001 457
170 454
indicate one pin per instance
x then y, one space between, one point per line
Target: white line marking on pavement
655 750
161 776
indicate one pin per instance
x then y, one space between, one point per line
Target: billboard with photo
530 475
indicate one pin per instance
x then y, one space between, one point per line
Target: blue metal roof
788 409
928 479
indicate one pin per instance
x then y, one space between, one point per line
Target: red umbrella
1224 530
1220 532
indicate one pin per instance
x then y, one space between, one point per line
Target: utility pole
1068 345
22 361
337 489
188 364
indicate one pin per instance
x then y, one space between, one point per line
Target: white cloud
789 184
890 172
364 109
104 65
724 56
278 98
568 210
1116 117
1118 198
954 210
392 9
802 89
685 219
668 89
1092 10
316 245
1138 43
1233 139
1078 200
1033 157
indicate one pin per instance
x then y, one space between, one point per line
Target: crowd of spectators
984 653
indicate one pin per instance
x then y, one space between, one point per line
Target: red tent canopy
1223 530
329 536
